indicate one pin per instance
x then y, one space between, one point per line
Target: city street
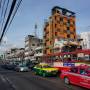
40 40
11 80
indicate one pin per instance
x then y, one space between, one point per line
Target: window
33 44
55 17
50 42
55 33
61 19
67 28
58 21
65 31
37 44
64 23
45 51
55 25
46 66
74 30
73 23
50 50
82 71
69 21
68 36
58 11
68 31
31 49
45 44
37 52
58 30
68 24
40 51
74 37
39 66
74 70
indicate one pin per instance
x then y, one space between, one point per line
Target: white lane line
3 79
10 83
6 80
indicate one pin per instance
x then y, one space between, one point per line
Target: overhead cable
10 12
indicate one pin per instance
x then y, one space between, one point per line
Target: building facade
15 54
60 25
31 43
85 36
39 53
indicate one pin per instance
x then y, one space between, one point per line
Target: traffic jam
71 72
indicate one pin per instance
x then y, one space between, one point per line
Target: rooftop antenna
35 33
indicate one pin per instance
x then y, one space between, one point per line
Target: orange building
60 25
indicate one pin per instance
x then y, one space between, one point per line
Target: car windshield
74 70
46 66
88 69
22 65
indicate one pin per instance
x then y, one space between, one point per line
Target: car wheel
66 80
44 74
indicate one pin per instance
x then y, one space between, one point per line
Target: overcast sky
36 11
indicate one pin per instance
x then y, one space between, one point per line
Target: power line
2 8
0 3
8 18
4 15
17 6
14 14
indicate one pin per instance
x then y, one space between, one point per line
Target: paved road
11 80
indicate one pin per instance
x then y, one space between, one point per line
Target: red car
79 75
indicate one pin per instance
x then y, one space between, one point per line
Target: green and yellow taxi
44 69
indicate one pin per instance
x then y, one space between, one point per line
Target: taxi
78 75
44 70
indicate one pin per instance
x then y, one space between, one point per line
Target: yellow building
60 25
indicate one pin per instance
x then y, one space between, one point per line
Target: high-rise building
86 40
60 25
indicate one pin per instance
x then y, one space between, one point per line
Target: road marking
11 84
3 79
6 80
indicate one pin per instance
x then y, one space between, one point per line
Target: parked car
77 75
45 70
21 68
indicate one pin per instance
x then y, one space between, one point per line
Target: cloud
6 45
5 39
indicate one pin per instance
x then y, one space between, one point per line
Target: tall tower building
60 25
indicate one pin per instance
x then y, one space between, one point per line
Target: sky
33 12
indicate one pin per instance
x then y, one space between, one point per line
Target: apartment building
59 26
14 54
31 43
85 36
39 53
